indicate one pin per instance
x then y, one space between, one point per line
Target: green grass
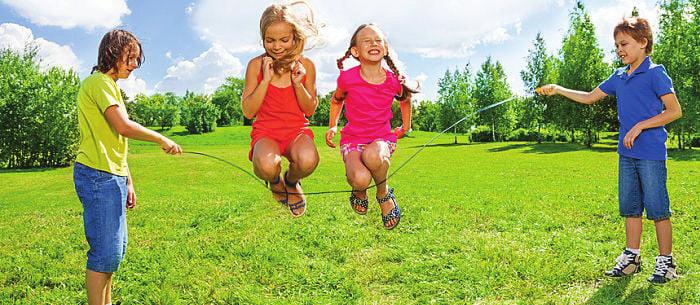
503 223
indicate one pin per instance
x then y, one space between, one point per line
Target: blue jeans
103 196
642 186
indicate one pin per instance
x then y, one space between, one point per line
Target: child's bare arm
334 115
254 93
305 92
582 97
406 118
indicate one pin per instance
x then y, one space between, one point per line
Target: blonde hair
389 61
303 27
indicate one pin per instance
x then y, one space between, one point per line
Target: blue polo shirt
639 98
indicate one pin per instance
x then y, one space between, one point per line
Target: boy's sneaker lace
628 263
665 270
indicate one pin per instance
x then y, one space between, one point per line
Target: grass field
501 223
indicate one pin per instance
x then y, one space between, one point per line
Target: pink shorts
346 148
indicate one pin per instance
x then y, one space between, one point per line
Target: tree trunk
573 135
493 132
539 134
589 138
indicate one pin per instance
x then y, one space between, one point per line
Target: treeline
38 111
579 64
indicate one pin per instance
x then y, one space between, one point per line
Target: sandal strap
297 205
395 213
389 195
354 200
288 183
269 185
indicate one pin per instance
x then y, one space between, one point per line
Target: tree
227 99
582 68
141 110
198 113
166 109
426 116
38 112
455 99
125 97
322 113
491 86
537 73
675 43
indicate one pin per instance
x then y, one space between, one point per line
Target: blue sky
196 44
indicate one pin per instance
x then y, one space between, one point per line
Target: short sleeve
342 81
608 86
662 83
104 94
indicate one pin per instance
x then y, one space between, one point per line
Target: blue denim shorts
103 196
642 186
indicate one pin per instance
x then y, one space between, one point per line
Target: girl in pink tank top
280 93
367 141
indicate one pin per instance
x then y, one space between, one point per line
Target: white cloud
496 36
452 26
69 14
202 74
189 8
16 37
133 86
441 30
444 32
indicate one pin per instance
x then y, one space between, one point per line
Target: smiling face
279 39
628 49
370 45
128 62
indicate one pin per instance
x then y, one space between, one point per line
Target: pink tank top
367 107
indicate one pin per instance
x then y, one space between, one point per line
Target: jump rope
371 186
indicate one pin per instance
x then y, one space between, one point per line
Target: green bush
198 114
227 99
38 113
545 135
141 111
157 110
481 134
695 142
522 134
322 113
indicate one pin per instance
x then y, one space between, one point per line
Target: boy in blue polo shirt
646 102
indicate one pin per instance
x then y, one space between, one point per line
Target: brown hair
637 28
112 47
390 62
303 27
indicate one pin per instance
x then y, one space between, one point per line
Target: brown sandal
301 204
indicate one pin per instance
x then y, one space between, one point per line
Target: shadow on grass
30 170
553 148
684 155
443 145
613 292
180 133
612 136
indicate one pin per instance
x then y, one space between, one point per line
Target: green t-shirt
101 147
